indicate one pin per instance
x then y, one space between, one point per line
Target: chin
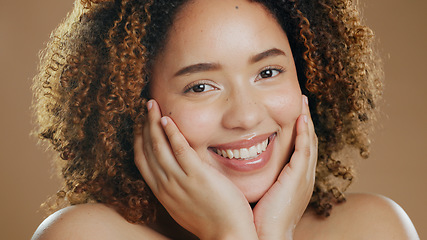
254 197
254 192
256 186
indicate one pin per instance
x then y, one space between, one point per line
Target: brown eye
266 73
269 73
198 88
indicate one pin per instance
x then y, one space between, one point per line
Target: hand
278 212
196 195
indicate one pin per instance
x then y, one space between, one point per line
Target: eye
269 72
199 88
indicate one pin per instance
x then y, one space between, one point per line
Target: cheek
195 122
284 107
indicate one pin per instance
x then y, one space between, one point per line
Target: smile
243 153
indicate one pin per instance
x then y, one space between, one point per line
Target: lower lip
249 164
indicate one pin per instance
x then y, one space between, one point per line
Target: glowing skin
240 108
241 89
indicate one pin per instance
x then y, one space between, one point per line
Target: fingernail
305 99
149 105
305 118
163 121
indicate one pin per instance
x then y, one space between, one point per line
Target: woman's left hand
278 212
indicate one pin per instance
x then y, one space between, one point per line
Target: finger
301 162
161 157
141 162
302 153
157 171
186 157
306 111
312 134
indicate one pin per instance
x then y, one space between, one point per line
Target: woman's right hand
196 195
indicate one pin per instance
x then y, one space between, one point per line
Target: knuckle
155 147
180 151
306 151
162 184
168 187
161 192
173 136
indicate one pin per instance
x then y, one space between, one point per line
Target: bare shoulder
91 221
363 216
376 217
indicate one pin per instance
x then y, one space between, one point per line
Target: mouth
245 155
250 149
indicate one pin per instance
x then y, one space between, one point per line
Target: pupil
266 73
199 88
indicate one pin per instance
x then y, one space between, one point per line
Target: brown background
397 167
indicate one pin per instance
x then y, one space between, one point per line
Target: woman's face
228 80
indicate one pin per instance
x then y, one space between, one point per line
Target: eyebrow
269 53
200 67
203 67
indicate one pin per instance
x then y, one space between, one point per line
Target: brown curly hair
94 73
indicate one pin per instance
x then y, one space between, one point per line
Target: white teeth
229 153
236 153
259 148
252 151
243 153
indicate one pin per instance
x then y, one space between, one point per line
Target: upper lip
245 143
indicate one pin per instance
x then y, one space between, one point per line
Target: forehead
223 26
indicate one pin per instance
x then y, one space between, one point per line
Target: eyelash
189 87
270 68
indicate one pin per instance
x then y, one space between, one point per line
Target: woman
226 148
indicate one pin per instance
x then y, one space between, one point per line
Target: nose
244 110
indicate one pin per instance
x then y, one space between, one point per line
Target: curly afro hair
91 89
